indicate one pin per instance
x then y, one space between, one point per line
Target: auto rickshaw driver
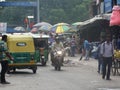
57 45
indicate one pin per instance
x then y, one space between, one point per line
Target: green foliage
52 11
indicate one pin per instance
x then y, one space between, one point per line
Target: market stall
91 29
115 29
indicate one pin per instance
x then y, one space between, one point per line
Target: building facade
102 6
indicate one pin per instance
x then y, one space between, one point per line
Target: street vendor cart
116 63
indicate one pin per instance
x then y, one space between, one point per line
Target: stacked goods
117 53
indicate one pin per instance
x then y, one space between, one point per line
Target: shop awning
96 18
93 27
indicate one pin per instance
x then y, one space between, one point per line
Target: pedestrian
100 61
107 54
82 50
87 49
73 46
4 55
51 40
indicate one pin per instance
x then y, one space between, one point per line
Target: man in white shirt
107 54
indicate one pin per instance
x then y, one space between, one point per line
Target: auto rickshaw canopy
20 43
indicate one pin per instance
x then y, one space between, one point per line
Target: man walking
4 55
100 61
107 54
87 49
73 46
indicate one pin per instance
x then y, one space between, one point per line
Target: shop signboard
118 2
107 6
102 7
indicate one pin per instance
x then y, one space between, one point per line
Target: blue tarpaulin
27 4
11 30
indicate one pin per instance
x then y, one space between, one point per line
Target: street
75 75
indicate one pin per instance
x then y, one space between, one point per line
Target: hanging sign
108 5
118 2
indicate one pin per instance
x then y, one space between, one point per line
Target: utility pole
38 11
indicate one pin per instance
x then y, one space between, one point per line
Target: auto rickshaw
22 49
41 48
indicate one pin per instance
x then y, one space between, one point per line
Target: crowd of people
69 41
105 52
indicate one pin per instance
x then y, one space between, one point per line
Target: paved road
75 75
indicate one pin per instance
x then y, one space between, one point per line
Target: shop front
93 28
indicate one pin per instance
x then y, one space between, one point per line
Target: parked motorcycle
58 59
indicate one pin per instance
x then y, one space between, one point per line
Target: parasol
60 28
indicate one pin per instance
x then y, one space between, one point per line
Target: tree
52 11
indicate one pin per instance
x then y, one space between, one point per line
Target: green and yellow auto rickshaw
41 48
22 49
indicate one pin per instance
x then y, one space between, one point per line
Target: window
21 44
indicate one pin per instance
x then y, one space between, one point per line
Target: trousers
107 63
4 68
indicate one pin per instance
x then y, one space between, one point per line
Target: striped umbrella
60 28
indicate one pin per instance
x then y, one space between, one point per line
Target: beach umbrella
76 25
45 28
38 25
34 30
71 30
60 28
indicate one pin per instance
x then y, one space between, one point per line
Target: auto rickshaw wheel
43 63
59 68
55 67
8 72
34 70
14 69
